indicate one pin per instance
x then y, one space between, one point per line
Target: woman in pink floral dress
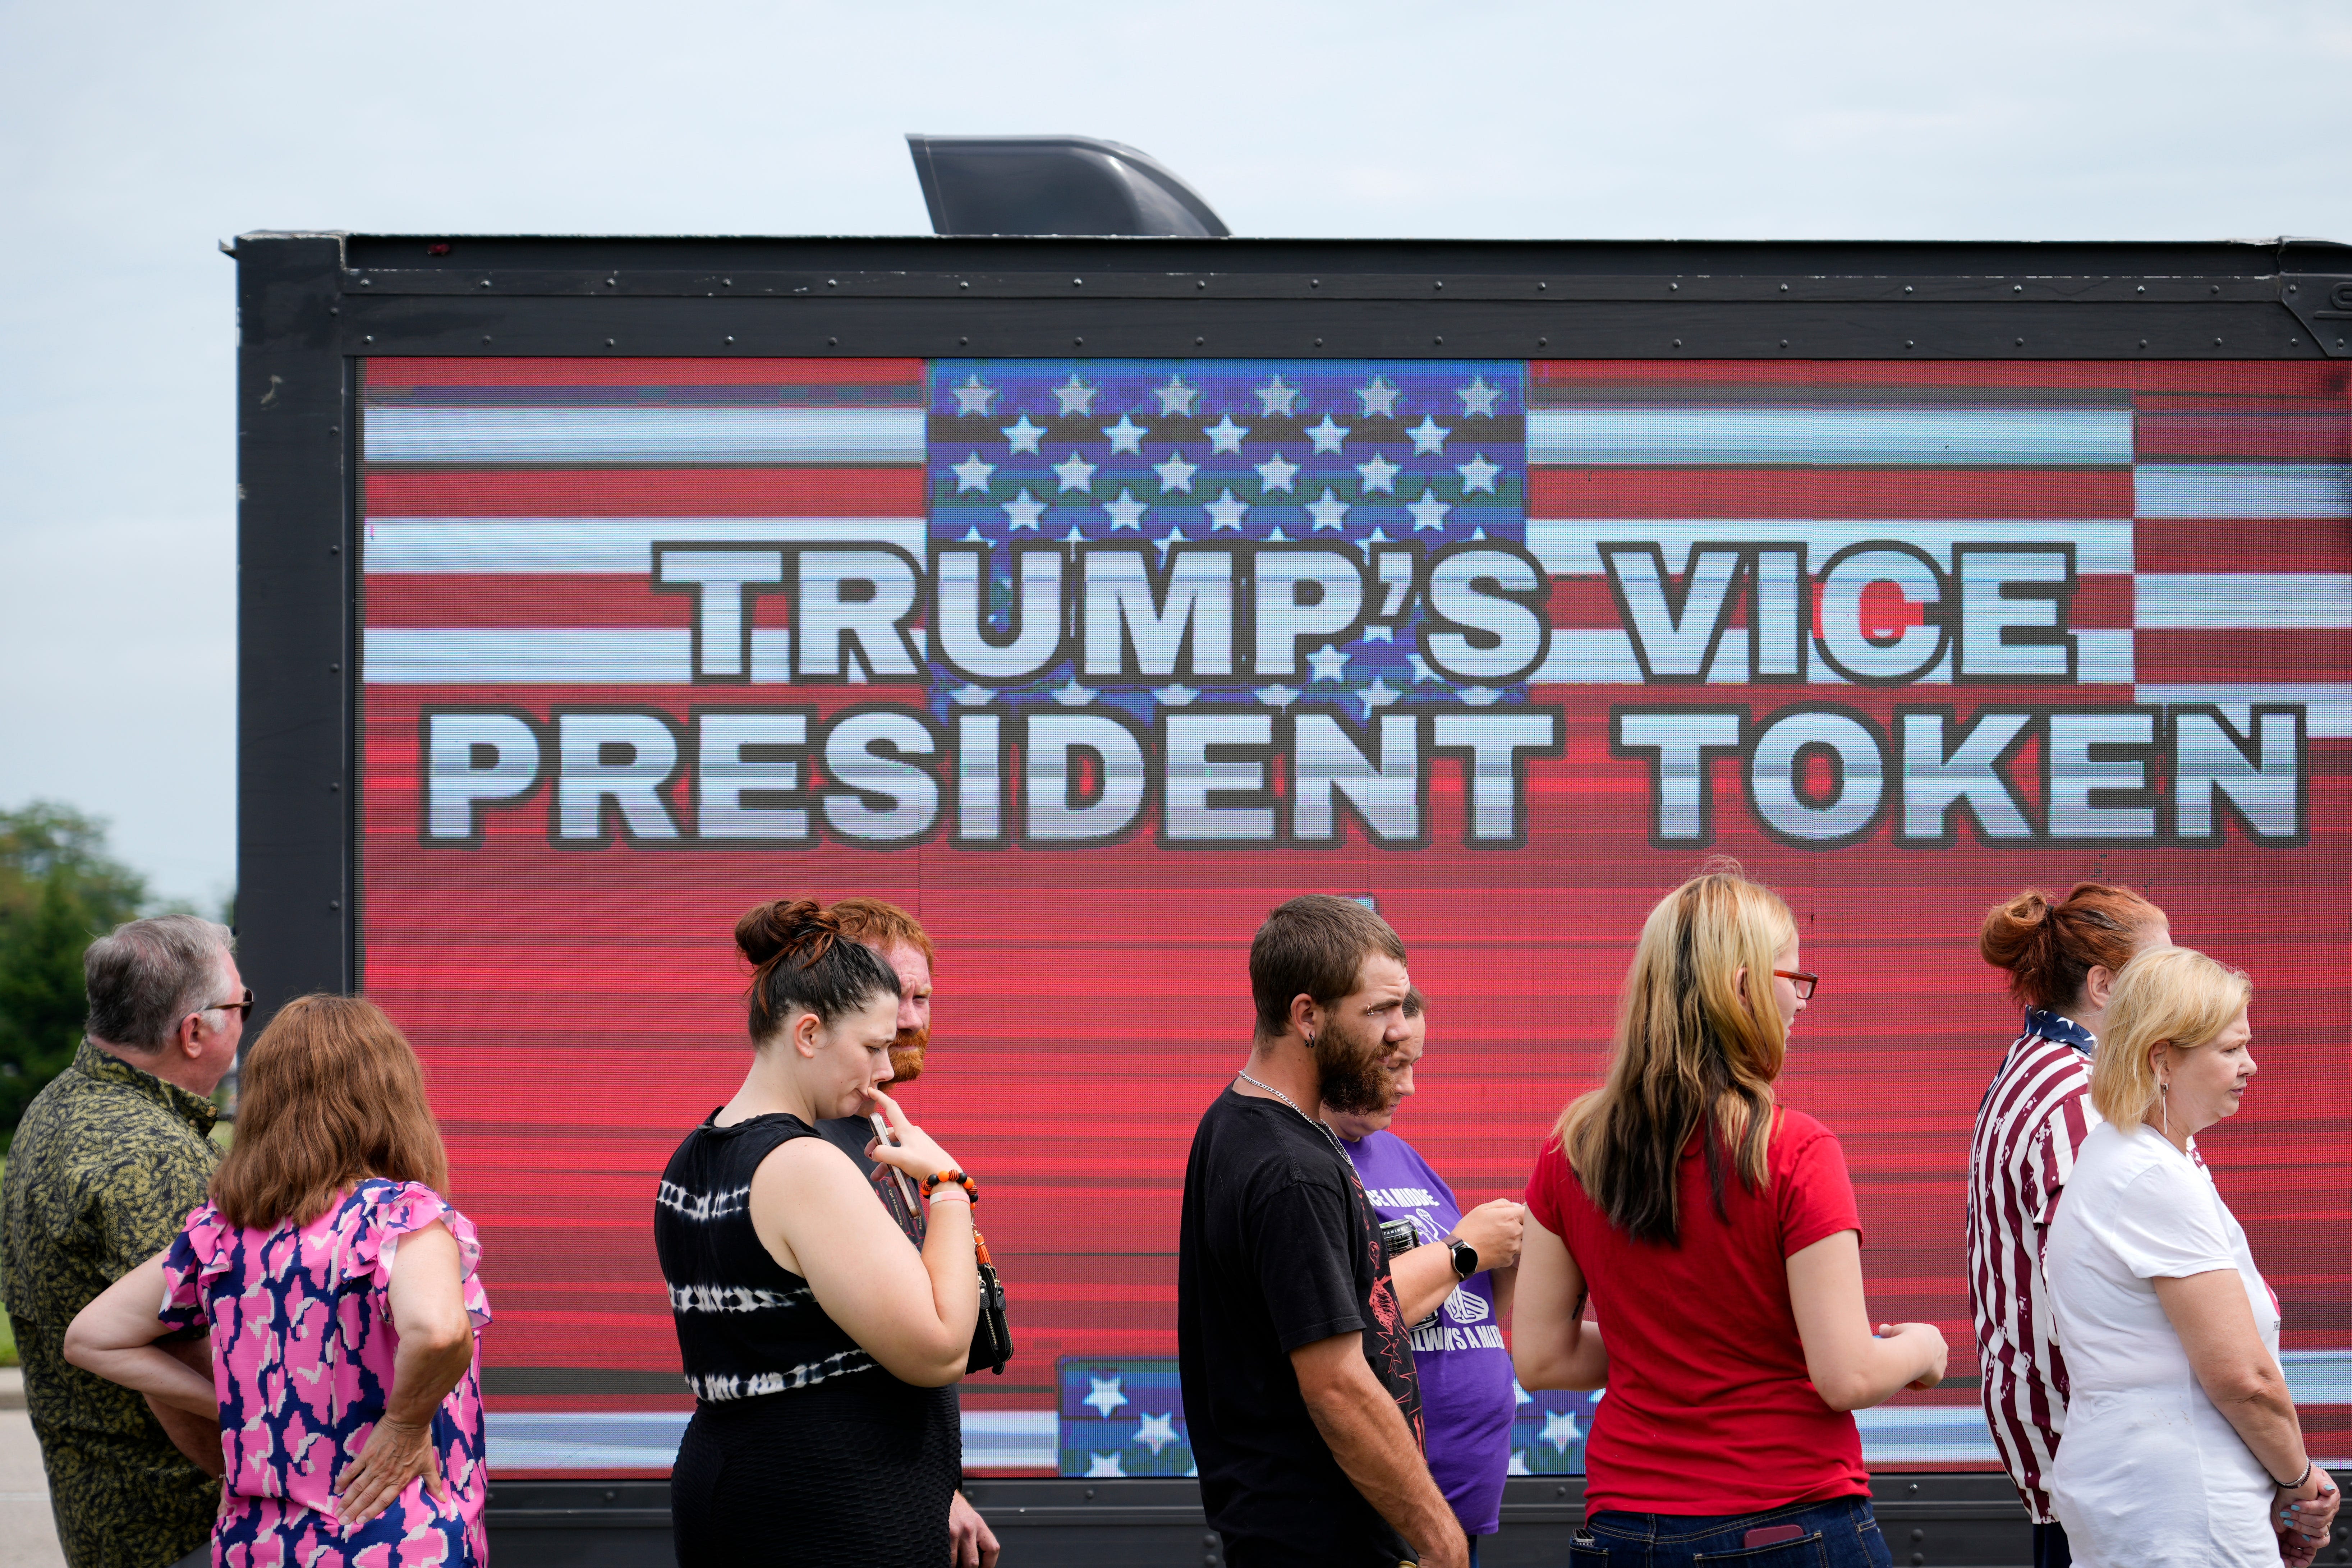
340 1291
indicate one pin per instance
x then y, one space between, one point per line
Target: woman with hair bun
823 1351
2062 957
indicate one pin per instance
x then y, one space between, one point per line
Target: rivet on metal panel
963 283
1784 342
2143 289
365 281
1671 288
833 283
1079 283
2014 289
1678 343
2217 288
485 337
2295 342
2217 342
335 787
1907 287
1439 341
731 337
611 343
1910 342
1318 342
1784 287
963 343
2143 342
2020 342
334 669
832 342
334 550
2293 288
1200 283
335 310
1198 341
609 283
727 282
337 430
334 903
369 338
1314 282
486 282
1543 342
1439 286
1077 342
1541 287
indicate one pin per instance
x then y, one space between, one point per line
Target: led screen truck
1088 596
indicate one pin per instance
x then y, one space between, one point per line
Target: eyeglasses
1803 982
242 1006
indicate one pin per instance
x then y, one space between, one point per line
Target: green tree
59 888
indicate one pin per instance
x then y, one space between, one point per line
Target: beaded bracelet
953 1178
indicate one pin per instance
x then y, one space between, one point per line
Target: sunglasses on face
1803 982
242 1006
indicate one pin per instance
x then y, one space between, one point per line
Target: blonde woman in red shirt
1715 1233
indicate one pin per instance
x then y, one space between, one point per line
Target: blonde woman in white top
2182 1445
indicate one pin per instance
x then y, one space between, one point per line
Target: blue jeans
1840 1534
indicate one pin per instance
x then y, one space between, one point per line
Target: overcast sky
132 137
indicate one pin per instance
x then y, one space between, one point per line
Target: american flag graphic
595 734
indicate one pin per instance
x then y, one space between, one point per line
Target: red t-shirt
1708 1409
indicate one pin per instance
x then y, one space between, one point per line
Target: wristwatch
1465 1257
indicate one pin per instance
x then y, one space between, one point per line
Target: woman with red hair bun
2062 956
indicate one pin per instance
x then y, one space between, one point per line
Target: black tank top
746 1325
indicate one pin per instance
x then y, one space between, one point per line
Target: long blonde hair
1691 1053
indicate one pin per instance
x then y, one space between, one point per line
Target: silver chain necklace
1324 1128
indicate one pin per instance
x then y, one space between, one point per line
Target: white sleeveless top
2150 1474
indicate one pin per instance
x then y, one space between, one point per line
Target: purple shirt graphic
1466 1395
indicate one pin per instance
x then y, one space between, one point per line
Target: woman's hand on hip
915 1153
397 1453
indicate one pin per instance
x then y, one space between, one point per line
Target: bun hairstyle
800 957
2049 948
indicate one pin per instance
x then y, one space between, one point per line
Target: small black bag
992 1337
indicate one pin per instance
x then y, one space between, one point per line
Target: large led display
1090 662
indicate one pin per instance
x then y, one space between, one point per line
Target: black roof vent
1055 185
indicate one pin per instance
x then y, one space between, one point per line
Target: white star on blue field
1171 453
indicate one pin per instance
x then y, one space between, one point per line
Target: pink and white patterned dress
302 1358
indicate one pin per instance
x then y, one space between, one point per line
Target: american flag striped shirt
2034 1117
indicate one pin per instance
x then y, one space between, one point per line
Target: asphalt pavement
28 1535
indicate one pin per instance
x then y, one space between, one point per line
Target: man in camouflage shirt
106 1165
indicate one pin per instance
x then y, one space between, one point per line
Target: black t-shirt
1278 1249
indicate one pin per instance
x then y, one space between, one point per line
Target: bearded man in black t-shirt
1298 1382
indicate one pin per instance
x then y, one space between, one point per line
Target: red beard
907 1056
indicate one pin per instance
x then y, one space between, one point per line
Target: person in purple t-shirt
1454 1287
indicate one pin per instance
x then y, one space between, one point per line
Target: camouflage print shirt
106 1165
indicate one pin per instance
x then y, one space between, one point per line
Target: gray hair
144 977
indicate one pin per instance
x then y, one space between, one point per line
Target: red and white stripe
511 544
2033 1118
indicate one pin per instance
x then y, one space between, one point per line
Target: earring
2164 1104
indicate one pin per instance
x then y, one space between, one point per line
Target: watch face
1465 1259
